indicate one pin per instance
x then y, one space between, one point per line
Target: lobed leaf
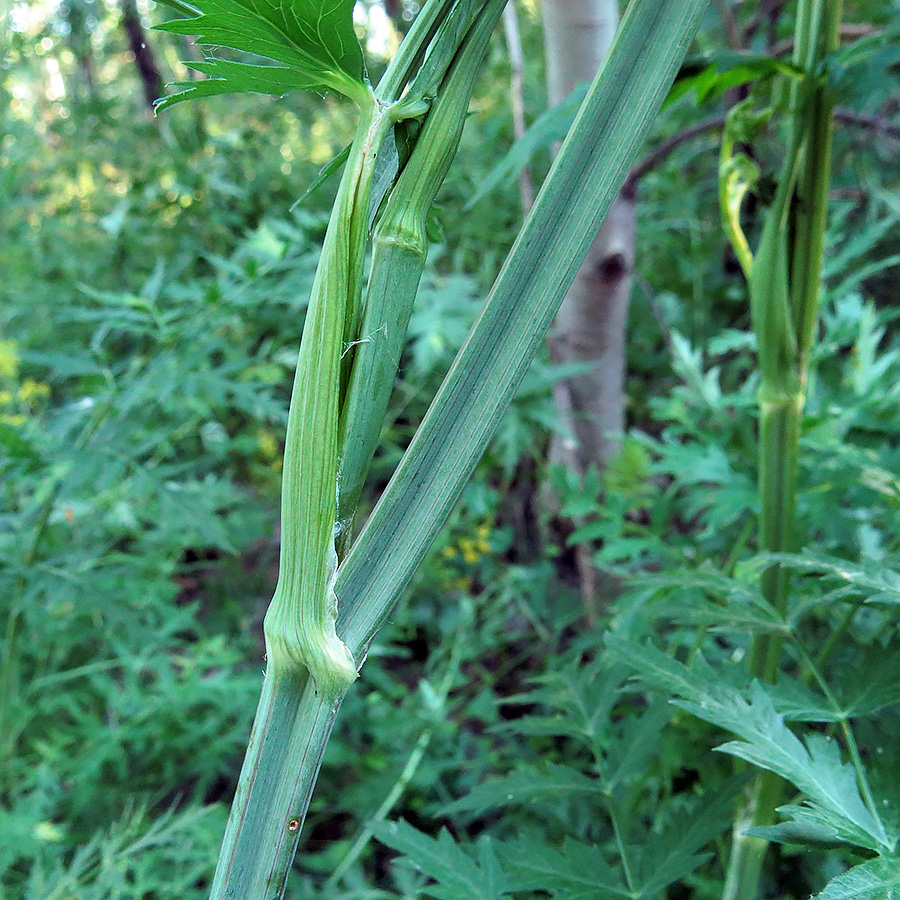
227 77
458 875
678 851
574 870
528 785
313 41
815 768
877 879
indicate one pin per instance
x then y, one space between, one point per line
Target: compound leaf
312 41
815 768
575 870
528 786
458 875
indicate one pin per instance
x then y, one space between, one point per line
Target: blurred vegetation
154 280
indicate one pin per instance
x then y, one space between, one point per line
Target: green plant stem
620 843
400 247
586 175
307 671
309 668
299 624
288 740
785 313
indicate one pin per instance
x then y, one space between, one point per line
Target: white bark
591 324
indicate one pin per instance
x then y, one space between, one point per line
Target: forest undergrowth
498 744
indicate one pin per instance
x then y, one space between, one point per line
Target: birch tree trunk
591 324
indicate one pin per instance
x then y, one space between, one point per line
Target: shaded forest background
155 273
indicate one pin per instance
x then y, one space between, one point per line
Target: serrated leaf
796 702
805 828
863 695
227 77
877 879
875 581
815 768
528 785
677 852
735 603
660 670
639 741
313 41
458 876
575 870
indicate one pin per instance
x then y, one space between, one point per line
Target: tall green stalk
327 608
785 278
309 668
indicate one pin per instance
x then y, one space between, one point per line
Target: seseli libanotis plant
783 277
333 592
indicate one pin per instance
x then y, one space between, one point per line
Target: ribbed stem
399 251
288 740
796 231
299 625
586 175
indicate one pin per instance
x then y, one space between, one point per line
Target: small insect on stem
294 825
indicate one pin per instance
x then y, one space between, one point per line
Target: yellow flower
30 390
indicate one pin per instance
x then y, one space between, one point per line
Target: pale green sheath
300 623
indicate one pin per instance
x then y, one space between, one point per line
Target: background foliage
154 286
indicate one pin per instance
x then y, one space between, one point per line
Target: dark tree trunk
144 59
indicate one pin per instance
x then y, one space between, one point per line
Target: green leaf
815 768
528 785
16 446
712 75
806 828
458 876
675 853
660 670
227 77
861 49
862 695
576 870
313 41
877 879
874 581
